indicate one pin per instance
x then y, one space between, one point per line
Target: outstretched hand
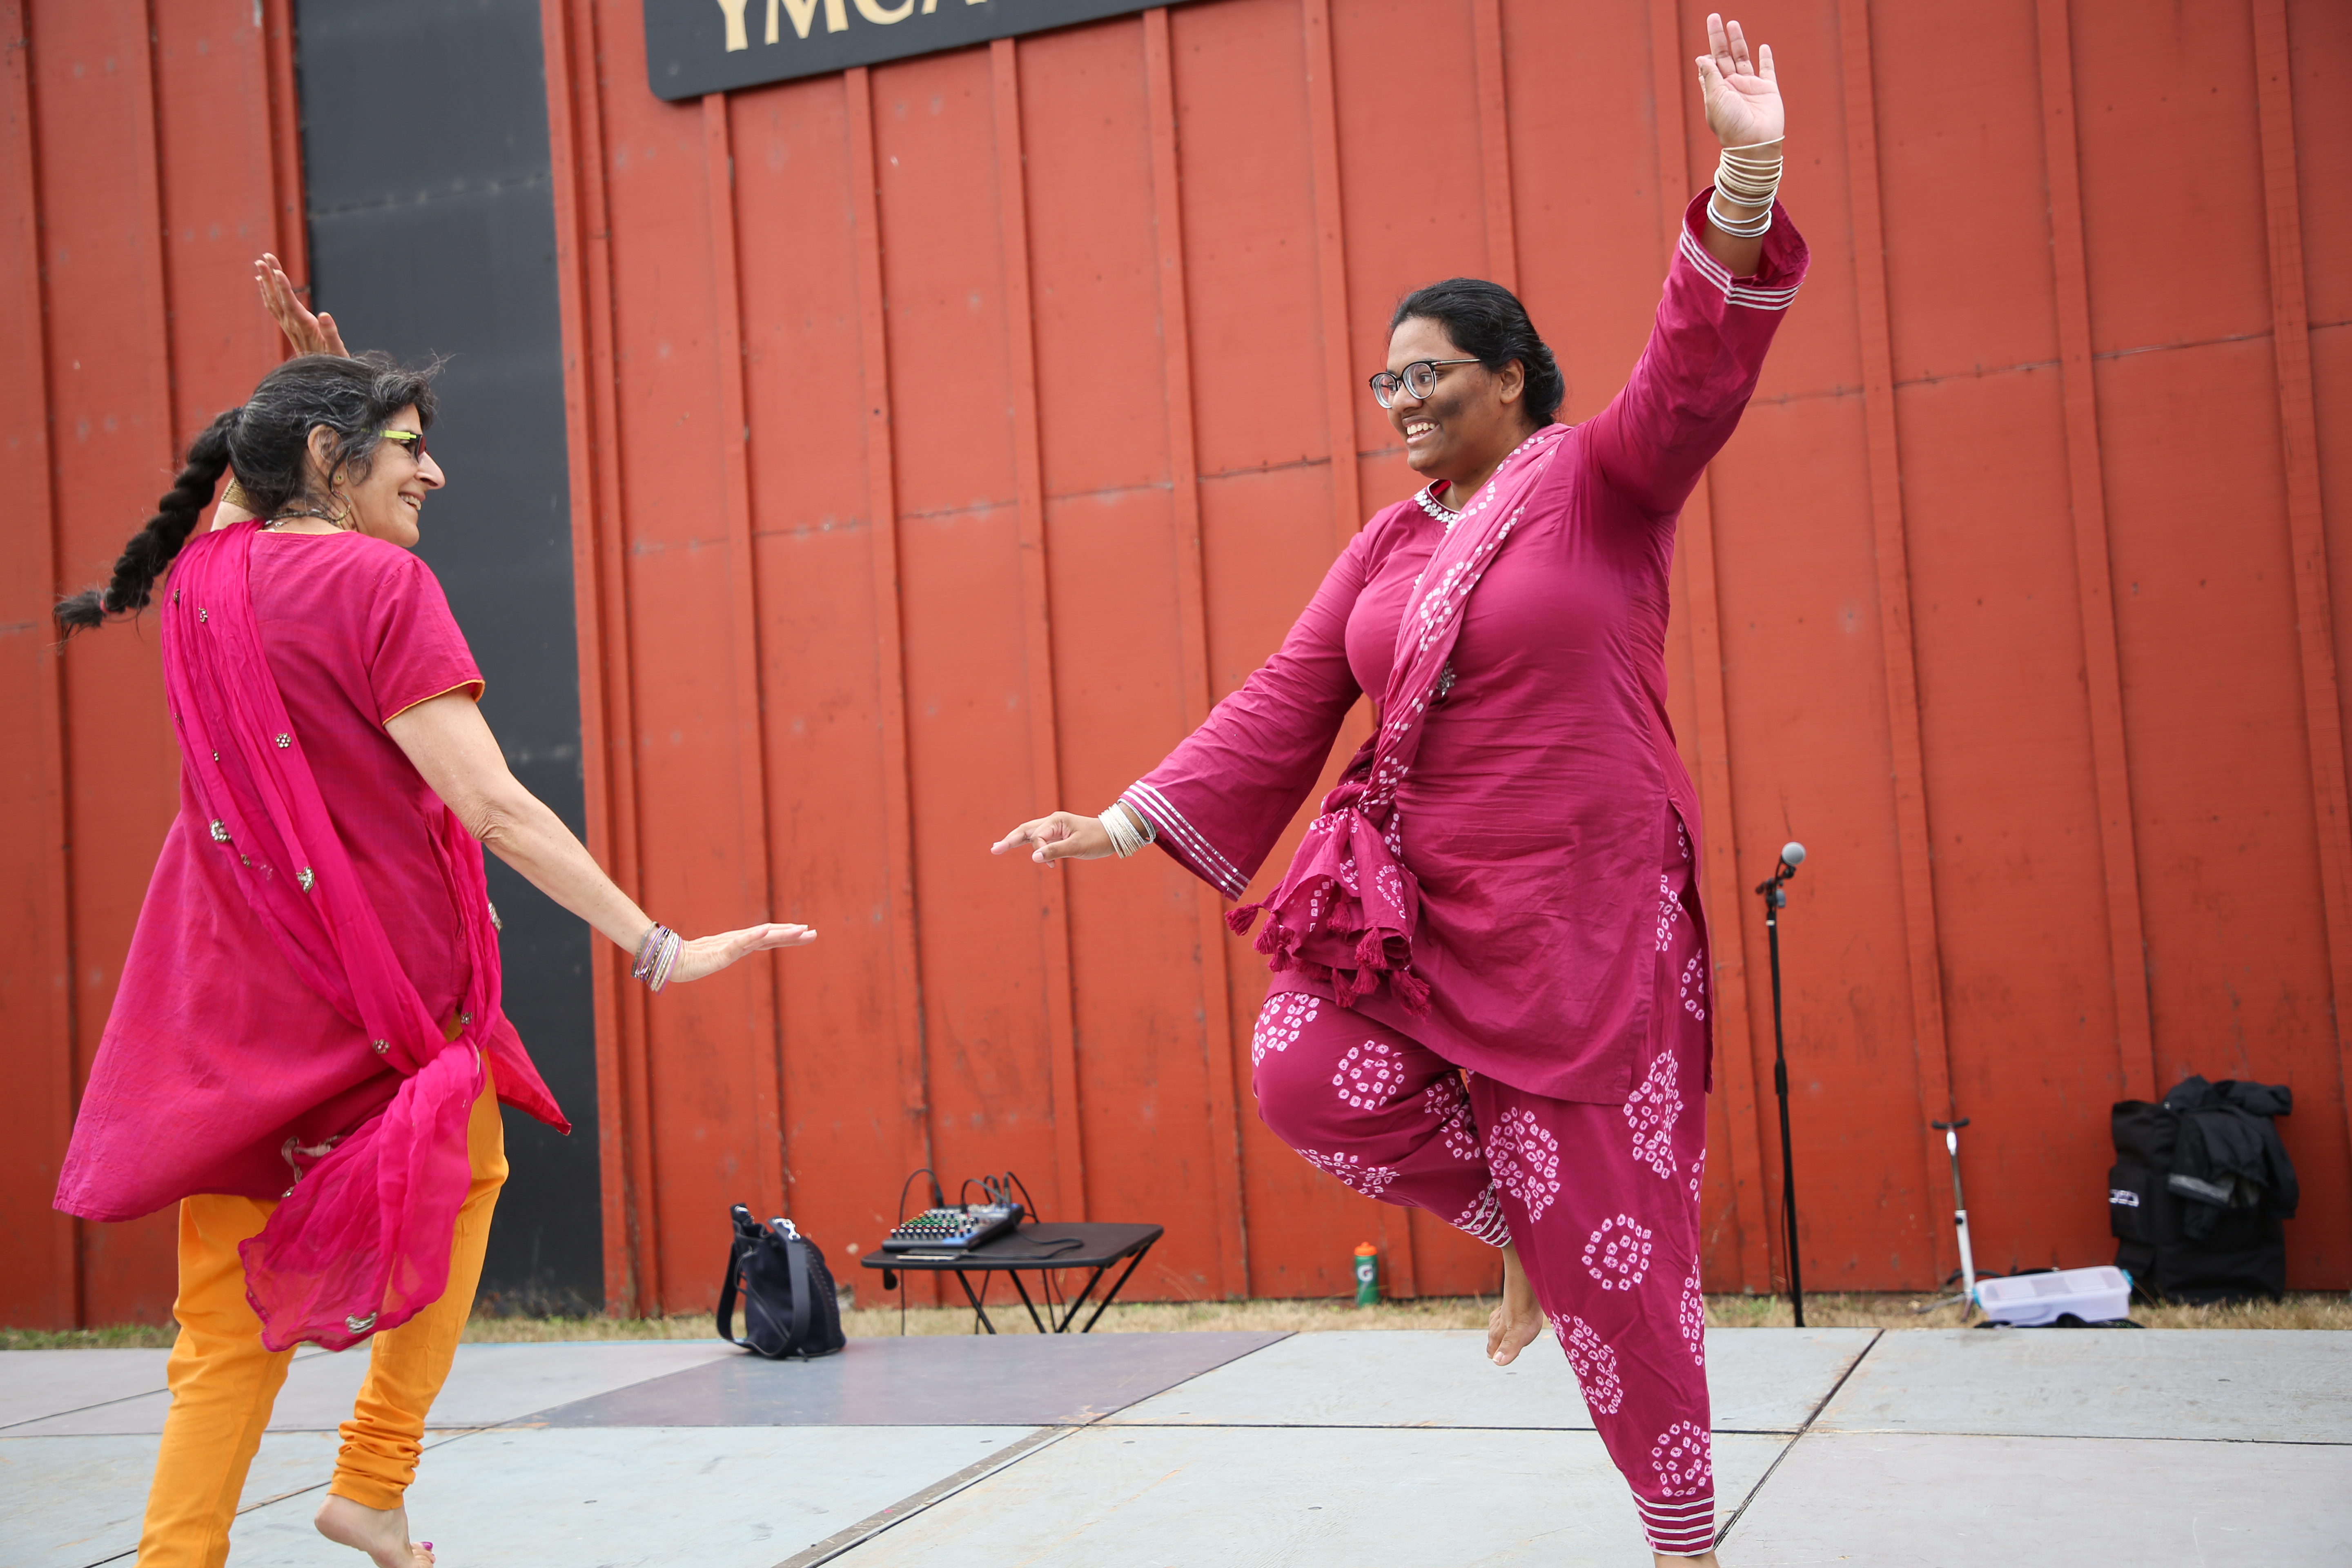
1063 835
1743 96
310 334
707 955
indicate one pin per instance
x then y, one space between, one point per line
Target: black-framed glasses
1420 378
412 439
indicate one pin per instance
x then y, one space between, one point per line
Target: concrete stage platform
1389 1449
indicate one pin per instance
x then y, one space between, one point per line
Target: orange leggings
223 1383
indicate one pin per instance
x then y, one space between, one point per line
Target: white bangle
1125 838
1748 181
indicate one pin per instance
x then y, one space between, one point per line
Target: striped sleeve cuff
1174 834
1757 293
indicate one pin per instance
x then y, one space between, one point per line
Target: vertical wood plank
39 1120
1331 272
1495 145
290 238
899 847
2299 452
1908 765
604 635
2095 580
1737 1049
1340 391
1036 616
743 608
1193 635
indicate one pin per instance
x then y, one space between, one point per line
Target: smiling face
387 503
1471 418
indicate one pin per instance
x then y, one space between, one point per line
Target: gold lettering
872 11
735 38
804 13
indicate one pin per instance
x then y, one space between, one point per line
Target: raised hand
707 955
1063 835
310 334
1743 97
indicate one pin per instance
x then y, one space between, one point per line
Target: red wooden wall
149 153
947 437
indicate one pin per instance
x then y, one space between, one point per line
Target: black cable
938 1200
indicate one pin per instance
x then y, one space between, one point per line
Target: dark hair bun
1486 321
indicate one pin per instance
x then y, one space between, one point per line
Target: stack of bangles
1125 838
657 956
1748 177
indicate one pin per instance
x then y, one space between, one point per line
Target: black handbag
789 1305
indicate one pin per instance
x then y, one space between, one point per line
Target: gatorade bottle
1368 1275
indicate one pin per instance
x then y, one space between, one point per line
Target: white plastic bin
2095 1294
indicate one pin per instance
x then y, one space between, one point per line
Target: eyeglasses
412 439
1420 378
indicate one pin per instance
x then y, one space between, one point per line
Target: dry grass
2305 1311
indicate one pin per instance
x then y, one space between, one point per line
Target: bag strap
727 1285
803 1293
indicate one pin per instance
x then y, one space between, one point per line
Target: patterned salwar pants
1601 1200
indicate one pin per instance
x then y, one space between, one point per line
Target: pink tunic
1532 816
217 1052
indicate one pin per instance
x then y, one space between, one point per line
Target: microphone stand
1776 898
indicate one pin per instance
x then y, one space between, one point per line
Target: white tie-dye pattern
1594 1364
1368 1180
1524 1154
1694 1319
1368 1074
1619 1260
1652 1110
1698 1173
1684 1466
1695 985
1280 1021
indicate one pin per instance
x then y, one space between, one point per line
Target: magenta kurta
1532 816
220 1059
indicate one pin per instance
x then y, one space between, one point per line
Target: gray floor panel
105 1480
1760 1379
488 1384
1936 1501
1028 1380
648 1498
36 1383
1131 1497
2283 1384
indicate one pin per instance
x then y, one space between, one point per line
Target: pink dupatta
1346 909
361 1242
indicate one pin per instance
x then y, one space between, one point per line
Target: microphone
1792 855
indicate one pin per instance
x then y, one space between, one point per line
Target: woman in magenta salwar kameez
1490 996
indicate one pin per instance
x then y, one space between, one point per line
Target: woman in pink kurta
1490 992
305 1048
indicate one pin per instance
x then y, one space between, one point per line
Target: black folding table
1033 1248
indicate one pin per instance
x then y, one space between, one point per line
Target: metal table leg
1024 1300
963 1277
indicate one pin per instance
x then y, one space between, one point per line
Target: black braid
149 554
267 441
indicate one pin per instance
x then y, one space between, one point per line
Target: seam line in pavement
1045 1437
1763 1481
300 1354
905 1509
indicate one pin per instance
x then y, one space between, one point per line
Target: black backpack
2192 1223
789 1305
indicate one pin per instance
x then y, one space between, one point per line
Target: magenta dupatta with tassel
1347 911
360 1243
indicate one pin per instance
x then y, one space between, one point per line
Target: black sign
694 47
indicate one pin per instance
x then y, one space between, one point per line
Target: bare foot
381 1532
1517 1320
